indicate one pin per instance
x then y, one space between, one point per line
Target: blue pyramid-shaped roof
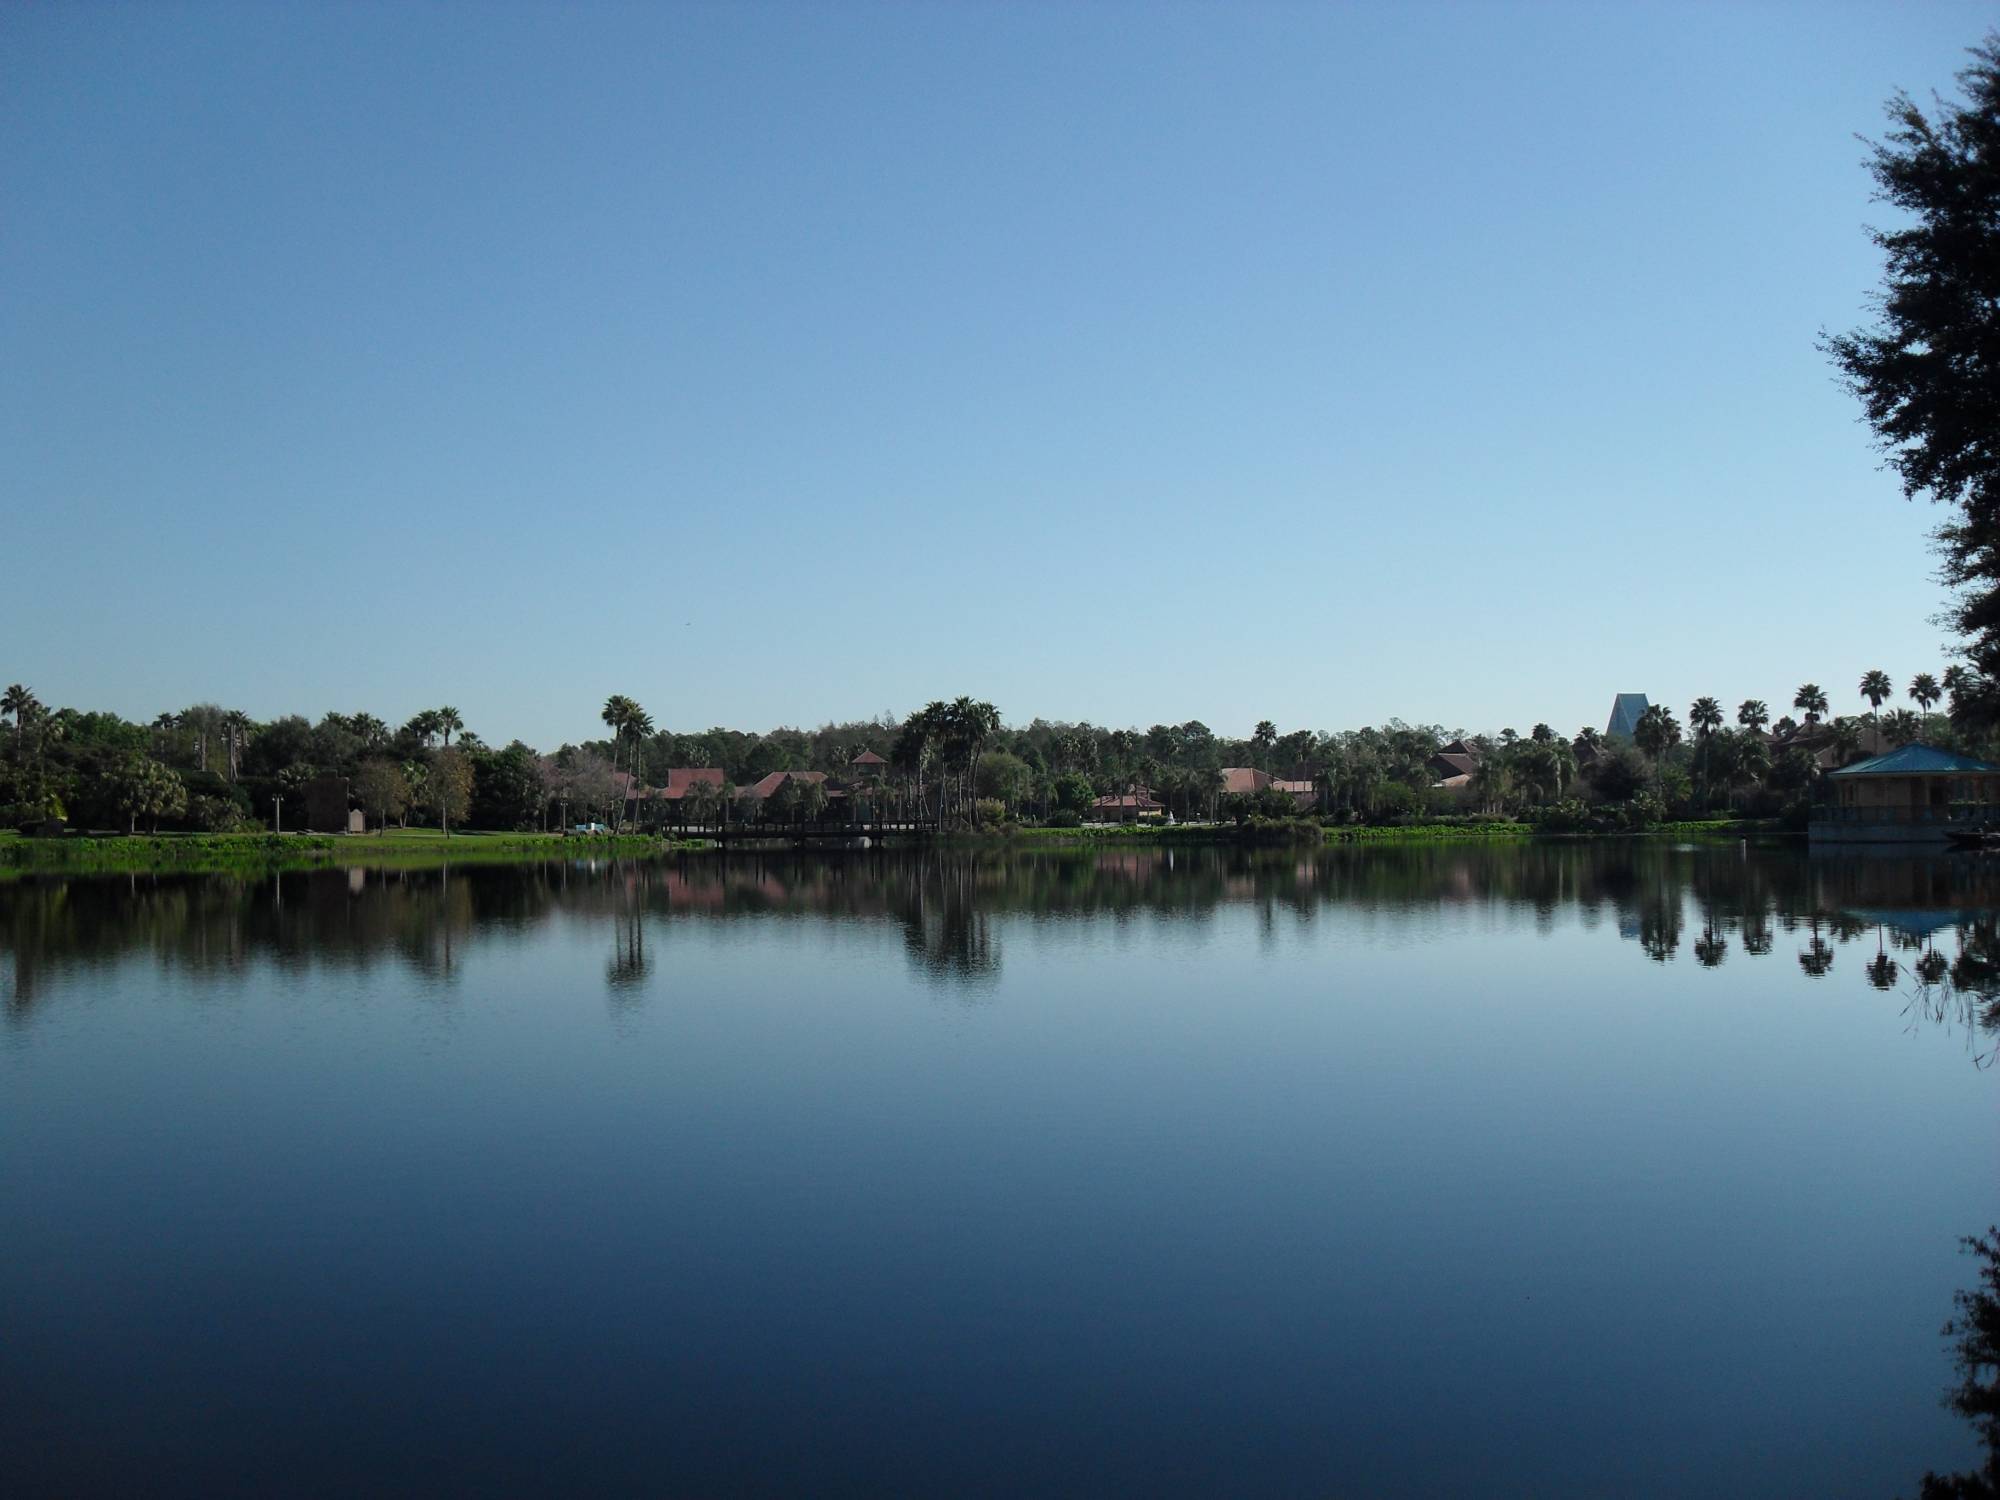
1914 760
1625 711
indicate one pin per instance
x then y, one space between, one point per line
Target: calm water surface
1531 1171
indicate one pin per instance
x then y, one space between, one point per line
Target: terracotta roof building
1127 806
680 778
770 784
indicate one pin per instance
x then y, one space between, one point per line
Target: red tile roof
776 779
1243 780
868 758
680 778
1138 803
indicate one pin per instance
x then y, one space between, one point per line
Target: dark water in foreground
1529 1171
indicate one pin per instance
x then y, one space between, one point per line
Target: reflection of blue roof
1913 760
1625 711
1917 923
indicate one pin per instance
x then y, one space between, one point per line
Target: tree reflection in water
951 906
1974 1329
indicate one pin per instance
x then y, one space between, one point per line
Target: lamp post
278 804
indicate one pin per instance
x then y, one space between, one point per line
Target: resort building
1916 795
1247 781
1454 764
1127 808
681 778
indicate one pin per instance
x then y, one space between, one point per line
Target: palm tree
1656 733
207 722
1263 737
22 704
1753 715
972 726
448 721
916 747
1704 716
1876 688
423 726
1846 740
1924 691
638 724
1811 702
618 710
1749 760
235 735
1900 727
370 730
1491 785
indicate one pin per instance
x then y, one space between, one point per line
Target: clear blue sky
779 363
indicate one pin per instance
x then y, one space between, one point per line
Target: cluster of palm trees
1876 686
209 724
428 725
939 749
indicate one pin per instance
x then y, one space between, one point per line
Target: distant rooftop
1914 760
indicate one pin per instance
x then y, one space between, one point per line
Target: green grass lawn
264 851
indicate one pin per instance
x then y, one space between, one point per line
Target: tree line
216 769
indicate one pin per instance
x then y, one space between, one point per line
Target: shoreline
123 854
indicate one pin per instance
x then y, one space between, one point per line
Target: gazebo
1918 794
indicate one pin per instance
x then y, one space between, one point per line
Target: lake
1534 1170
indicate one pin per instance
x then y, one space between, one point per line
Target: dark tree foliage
1975 1330
1928 373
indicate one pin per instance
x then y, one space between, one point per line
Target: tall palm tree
1704 716
1924 691
1753 715
206 720
1877 689
1656 733
370 730
916 748
968 727
235 735
448 721
21 703
1263 737
638 725
617 714
1752 762
1810 701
